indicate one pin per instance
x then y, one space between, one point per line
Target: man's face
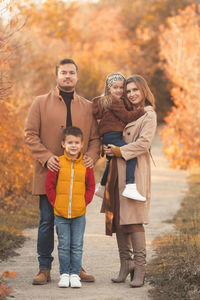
67 77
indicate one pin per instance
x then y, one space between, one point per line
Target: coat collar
57 94
73 159
147 109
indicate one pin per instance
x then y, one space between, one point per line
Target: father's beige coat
138 135
43 132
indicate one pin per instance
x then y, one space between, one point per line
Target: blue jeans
70 243
45 243
115 138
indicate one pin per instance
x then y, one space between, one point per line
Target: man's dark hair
66 61
72 130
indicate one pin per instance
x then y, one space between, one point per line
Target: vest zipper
70 191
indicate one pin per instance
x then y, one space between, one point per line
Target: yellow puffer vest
70 188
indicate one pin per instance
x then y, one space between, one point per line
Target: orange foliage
180 47
15 163
7 274
4 289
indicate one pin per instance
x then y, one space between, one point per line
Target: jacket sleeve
50 186
143 142
89 185
93 150
120 111
32 134
97 109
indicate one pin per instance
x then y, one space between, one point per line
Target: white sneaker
64 281
75 281
100 190
131 192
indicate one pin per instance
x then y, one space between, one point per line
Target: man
48 115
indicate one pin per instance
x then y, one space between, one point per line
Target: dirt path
100 252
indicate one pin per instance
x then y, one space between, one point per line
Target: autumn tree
94 37
180 49
14 158
142 19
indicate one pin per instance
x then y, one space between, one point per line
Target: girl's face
134 95
117 89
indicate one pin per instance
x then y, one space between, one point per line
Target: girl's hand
109 150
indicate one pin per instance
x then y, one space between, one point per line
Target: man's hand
53 163
109 150
88 161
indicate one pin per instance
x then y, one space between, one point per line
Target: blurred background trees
180 48
158 39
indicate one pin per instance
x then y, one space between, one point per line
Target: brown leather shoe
42 277
85 277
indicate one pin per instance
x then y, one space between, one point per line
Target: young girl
111 125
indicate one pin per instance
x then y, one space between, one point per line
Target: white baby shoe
64 281
100 190
75 281
131 192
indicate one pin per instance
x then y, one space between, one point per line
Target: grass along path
175 272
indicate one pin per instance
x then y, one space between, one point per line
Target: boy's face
72 145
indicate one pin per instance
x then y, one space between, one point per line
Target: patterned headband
115 77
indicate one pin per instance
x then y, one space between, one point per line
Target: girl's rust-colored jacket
115 117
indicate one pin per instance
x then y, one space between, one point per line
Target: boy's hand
88 161
53 163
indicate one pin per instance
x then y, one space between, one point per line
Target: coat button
128 133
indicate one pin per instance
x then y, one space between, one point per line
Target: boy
69 191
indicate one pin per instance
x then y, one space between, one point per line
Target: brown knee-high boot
139 251
125 255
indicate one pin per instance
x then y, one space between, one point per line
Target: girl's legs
130 170
108 138
130 190
114 138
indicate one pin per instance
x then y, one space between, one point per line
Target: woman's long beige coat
138 135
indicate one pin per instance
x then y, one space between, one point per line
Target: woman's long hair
106 99
142 85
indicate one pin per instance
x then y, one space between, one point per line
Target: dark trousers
45 243
115 138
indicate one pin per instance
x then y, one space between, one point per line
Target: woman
126 216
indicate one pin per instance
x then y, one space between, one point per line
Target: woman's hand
109 150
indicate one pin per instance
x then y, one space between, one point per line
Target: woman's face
117 89
134 95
